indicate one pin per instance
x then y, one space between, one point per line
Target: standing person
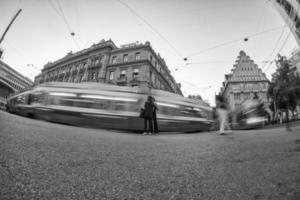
148 117
223 115
154 116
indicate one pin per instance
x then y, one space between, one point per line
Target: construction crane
9 25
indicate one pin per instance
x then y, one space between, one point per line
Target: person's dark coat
149 108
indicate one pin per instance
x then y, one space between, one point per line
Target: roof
244 70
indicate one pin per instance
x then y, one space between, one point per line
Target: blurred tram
110 107
250 115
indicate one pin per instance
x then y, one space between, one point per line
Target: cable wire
286 39
233 41
152 27
60 12
275 47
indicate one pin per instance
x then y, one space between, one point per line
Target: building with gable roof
245 79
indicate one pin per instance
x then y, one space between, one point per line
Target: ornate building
133 65
244 80
11 81
290 13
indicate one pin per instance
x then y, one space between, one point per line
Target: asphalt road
41 160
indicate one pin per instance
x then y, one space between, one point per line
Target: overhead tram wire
286 39
22 56
216 62
283 44
258 26
61 14
66 22
233 41
275 47
152 27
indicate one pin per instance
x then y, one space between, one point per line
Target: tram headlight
255 120
62 94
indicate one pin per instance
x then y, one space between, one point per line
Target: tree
284 88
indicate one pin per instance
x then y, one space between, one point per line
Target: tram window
121 106
168 110
21 99
38 98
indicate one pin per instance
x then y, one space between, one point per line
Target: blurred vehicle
251 114
110 107
2 103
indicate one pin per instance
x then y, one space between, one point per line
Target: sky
209 33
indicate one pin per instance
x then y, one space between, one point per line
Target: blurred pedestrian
154 116
222 114
287 119
148 116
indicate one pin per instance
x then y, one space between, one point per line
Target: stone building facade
11 81
132 65
245 79
290 13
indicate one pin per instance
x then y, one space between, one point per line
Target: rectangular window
153 78
246 95
237 96
135 73
123 74
151 59
125 58
137 56
94 76
288 8
111 75
114 60
96 61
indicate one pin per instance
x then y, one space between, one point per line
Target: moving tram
250 115
110 107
